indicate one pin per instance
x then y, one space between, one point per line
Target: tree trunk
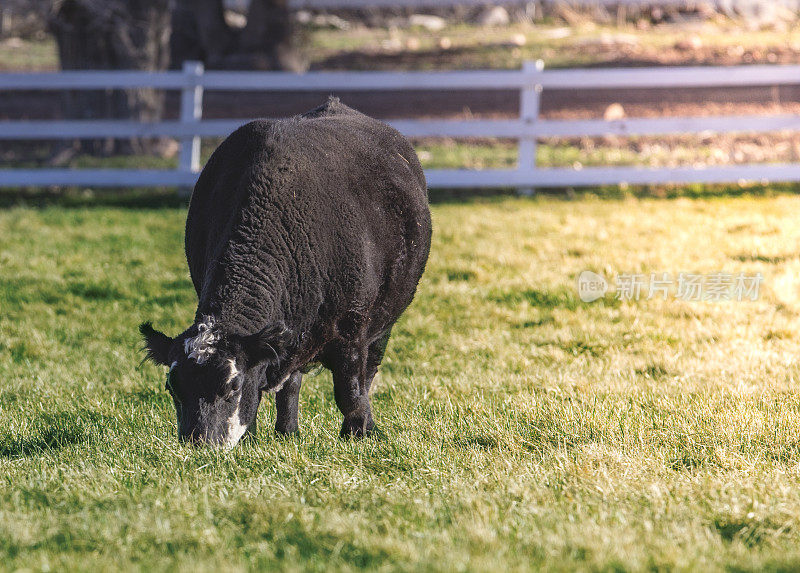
199 32
267 42
268 37
114 35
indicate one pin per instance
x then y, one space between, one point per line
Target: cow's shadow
50 433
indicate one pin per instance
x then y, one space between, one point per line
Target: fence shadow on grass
148 198
72 198
151 198
616 193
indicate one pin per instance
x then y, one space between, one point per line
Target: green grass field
520 427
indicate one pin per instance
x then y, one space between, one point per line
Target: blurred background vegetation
45 35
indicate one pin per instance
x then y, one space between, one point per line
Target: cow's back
324 212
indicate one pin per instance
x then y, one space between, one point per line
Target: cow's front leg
287 404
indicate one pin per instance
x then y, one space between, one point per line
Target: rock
392 44
235 19
693 43
445 43
330 21
494 16
13 43
736 51
168 148
430 23
556 33
625 39
607 40
614 112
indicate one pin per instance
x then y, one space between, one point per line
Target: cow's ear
156 343
271 344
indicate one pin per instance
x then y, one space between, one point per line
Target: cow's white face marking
235 427
201 347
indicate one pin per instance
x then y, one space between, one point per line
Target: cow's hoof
287 432
357 427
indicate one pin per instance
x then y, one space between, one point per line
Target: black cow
306 238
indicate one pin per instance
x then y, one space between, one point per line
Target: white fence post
191 113
529 114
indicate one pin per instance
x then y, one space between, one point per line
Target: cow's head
216 379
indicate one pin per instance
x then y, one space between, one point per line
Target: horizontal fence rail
663 77
366 4
503 129
531 80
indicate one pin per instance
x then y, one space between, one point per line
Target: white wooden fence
527 129
423 4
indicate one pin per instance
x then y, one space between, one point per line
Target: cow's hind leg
351 390
352 377
287 404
